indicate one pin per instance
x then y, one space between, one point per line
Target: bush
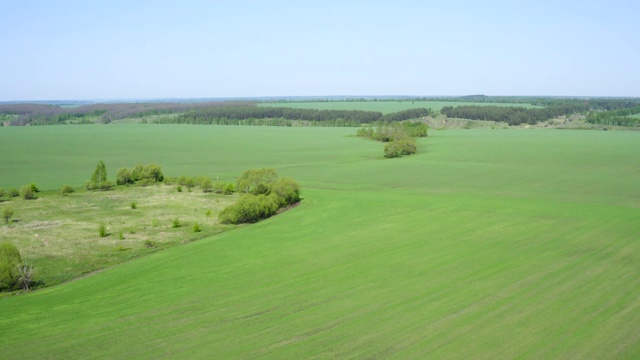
27 192
134 205
7 214
102 229
9 262
149 244
13 192
287 191
176 223
399 147
66 190
256 181
123 177
206 184
229 189
196 227
2 192
249 209
179 188
34 188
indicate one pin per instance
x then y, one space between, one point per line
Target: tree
13 192
99 178
7 214
25 275
287 191
9 262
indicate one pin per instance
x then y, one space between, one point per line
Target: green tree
1 192
99 178
7 214
287 191
13 192
9 262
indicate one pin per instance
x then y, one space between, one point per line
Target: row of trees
620 117
263 194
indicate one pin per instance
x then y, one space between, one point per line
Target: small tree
7 214
206 185
13 192
196 227
9 261
99 178
1 192
27 192
25 275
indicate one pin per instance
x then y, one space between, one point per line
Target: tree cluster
98 179
263 194
619 117
143 175
399 137
14 274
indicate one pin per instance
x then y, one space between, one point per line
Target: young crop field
384 107
485 244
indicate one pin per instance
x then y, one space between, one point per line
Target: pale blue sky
169 49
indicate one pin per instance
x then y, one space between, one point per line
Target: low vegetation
263 194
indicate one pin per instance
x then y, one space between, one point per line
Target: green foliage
123 177
120 235
27 192
98 179
66 190
206 184
134 205
176 223
34 188
208 213
7 214
229 189
2 193
263 195
400 146
249 209
9 262
13 192
196 228
179 188
102 229
136 173
256 181
149 244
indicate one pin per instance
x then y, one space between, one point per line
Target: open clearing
384 107
485 244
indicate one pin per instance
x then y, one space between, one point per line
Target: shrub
179 188
208 213
149 244
256 181
1 192
9 262
399 147
196 227
102 229
206 185
13 192
7 214
249 209
27 192
34 188
66 190
218 187
120 235
176 223
229 189
123 177
152 172
136 173
25 275
134 205
287 191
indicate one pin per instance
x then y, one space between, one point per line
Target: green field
384 107
486 244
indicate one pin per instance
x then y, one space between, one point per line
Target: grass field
485 244
384 107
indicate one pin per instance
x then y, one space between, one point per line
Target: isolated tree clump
263 194
9 262
399 137
7 214
66 190
143 175
27 192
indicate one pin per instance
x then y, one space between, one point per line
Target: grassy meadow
384 107
485 244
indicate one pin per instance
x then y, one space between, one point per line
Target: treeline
41 114
514 115
221 113
616 117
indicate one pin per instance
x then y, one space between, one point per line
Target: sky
101 50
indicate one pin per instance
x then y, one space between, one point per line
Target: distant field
384 107
486 244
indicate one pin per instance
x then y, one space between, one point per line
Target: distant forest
605 111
